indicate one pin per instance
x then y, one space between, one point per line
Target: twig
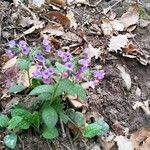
22 143
65 146
70 140
62 128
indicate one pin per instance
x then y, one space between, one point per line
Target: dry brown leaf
70 36
118 42
130 48
140 136
33 28
146 144
10 63
106 145
106 26
27 21
53 29
131 17
56 2
74 102
57 16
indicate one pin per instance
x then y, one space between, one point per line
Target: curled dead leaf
131 17
140 136
56 2
59 17
53 29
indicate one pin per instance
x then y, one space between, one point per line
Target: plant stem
29 77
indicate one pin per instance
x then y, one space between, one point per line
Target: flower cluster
75 68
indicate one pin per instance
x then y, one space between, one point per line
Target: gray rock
147 7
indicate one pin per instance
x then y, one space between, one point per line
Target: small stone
96 147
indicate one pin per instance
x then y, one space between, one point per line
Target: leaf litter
119 42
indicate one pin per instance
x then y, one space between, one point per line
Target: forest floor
122 97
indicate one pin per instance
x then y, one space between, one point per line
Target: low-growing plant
55 75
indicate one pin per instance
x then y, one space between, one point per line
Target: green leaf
23 64
44 96
25 115
61 68
10 140
78 89
36 119
57 104
97 128
49 116
14 121
64 117
16 88
50 133
65 85
35 83
4 120
76 117
42 89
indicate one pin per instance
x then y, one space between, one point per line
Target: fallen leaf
106 26
71 2
71 17
146 144
125 76
131 17
53 29
118 42
74 102
33 28
92 52
123 143
10 63
106 145
37 3
56 2
88 84
140 136
70 36
27 21
59 17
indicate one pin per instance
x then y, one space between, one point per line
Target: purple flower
84 62
12 44
99 74
48 48
78 76
39 57
37 73
83 69
47 73
22 43
25 50
46 81
65 75
9 53
69 66
60 54
46 42
65 56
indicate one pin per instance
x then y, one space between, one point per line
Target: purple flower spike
69 56
48 48
69 66
12 44
99 74
78 77
84 62
22 43
39 57
9 53
25 50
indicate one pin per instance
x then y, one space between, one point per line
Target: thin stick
62 128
